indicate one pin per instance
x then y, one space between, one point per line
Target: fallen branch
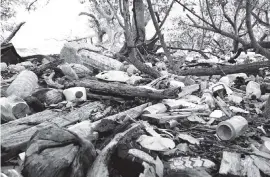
222 70
126 90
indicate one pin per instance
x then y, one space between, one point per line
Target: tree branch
17 28
210 14
115 14
254 42
161 37
260 20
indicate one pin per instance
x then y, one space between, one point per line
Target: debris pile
84 113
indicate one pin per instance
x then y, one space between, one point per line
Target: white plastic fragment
217 114
188 138
156 143
113 76
155 109
3 66
238 110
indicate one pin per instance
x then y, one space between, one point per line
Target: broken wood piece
68 71
230 164
188 138
103 97
125 90
223 106
100 165
108 123
164 117
98 61
17 133
148 171
24 84
155 109
188 90
88 55
49 81
180 103
262 163
249 168
15 106
51 65
149 159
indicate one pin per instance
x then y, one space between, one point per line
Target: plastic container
253 90
232 128
265 147
75 94
24 85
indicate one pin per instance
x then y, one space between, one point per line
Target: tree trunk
131 47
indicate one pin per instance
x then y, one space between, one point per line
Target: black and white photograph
135 88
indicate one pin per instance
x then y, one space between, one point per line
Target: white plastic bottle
253 90
75 94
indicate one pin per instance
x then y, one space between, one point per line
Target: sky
47 27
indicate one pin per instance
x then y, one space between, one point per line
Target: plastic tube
232 128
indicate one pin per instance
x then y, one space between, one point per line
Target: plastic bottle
253 90
24 85
232 128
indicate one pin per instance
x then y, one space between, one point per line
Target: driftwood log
109 123
266 112
223 70
126 90
12 108
16 134
100 165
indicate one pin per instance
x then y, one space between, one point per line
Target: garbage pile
86 114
